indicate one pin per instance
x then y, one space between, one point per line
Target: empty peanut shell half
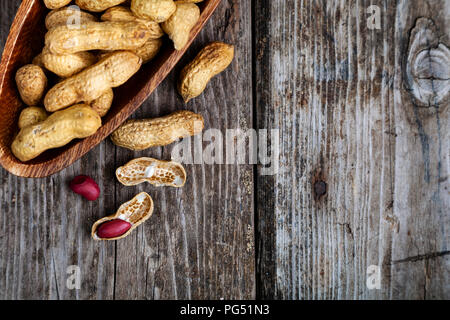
157 172
130 215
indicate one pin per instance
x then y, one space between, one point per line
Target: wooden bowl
25 41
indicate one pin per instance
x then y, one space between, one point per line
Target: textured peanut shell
56 4
97 5
57 130
37 61
156 10
136 212
66 65
125 15
110 72
147 133
31 116
149 50
67 16
187 1
156 172
31 82
211 61
97 36
180 24
102 104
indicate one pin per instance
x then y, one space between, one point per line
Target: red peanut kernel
85 186
113 229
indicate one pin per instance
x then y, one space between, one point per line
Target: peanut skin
56 4
113 229
156 10
66 65
180 24
125 15
211 60
109 36
97 5
67 16
32 115
32 83
110 72
57 130
143 134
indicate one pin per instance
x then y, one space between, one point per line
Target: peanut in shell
147 133
110 72
111 36
211 60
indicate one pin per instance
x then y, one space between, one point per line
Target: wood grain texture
199 242
25 42
336 91
363 174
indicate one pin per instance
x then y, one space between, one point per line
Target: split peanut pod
130 215
31 116
156 10
180 24
67 16
212 60
156 172
56 4
57 130
146 133
88 85
122 14
96 5
110 36
32 83
66 65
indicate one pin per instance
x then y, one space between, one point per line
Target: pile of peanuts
92 48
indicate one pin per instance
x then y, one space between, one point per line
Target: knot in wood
320 188
428 65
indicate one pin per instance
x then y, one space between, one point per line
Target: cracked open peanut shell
130 215
156 172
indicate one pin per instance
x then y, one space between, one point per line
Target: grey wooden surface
335 88
363 174
196 244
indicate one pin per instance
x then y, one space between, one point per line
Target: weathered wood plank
45 227
197 245
335 89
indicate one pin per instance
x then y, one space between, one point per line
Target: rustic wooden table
362 184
